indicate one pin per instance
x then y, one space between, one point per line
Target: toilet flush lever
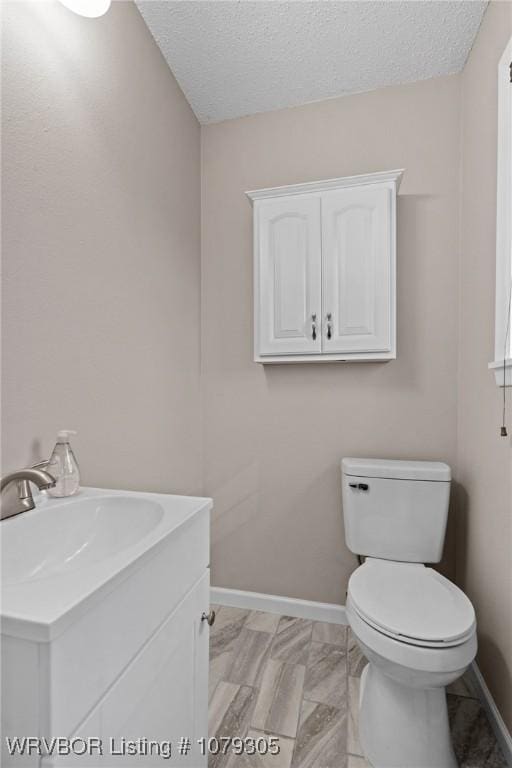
360 486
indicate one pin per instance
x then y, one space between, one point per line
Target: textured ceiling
239 57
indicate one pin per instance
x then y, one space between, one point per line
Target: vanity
105 600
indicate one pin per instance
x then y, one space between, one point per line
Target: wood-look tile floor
299 680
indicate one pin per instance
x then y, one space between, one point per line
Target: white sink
73 534
66 551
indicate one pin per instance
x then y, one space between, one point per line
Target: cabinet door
161 696
357 269
288 276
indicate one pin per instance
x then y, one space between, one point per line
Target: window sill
497 368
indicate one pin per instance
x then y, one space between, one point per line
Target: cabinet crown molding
326 184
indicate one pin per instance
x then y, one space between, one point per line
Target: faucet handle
41 464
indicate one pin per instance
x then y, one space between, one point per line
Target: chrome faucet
20 498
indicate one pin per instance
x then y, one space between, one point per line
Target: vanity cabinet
325 270
113 650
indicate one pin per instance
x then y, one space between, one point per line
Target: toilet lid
412 603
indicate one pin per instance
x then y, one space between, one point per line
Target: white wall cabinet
325 270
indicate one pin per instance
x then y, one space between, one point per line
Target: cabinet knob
208 617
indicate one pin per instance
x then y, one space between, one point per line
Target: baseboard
286 606
501 731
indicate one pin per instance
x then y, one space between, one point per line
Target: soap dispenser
63 466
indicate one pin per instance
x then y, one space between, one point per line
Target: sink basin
66 554
73 534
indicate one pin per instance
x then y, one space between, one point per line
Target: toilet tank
395 510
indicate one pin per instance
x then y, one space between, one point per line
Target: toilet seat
411 604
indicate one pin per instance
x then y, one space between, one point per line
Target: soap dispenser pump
63 466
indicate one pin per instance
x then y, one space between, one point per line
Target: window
502 364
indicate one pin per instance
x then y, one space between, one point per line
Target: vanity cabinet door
161 696
288 276
358 269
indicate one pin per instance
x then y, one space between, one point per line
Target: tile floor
299 680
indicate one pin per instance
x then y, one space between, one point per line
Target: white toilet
416 628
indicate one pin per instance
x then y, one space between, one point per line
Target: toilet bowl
418 632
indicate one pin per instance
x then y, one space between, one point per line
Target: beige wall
101 249
274 435
484 464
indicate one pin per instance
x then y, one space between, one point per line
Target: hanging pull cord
503 430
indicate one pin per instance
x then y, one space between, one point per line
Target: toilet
415 627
